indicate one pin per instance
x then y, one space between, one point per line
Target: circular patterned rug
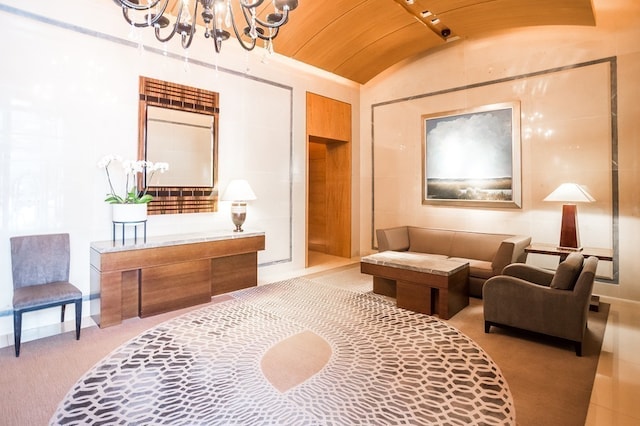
387 366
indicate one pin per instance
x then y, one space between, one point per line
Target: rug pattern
388 366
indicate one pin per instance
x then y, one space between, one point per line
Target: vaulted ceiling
358 39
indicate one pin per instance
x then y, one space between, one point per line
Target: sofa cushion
473 245
477 268
567 272
434 241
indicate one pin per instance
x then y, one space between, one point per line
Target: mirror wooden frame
179 199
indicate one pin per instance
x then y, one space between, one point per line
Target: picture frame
472 157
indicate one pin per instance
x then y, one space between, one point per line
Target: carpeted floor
387 366
549 384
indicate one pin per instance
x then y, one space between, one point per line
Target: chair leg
578 348
64 307
78 317
17 330
487 326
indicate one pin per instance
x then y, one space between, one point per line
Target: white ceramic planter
129 212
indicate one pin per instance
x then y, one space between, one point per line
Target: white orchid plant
131 169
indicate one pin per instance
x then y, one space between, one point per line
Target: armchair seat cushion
43 294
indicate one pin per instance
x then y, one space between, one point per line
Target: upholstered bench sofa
486 253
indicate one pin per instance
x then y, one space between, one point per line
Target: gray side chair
538 300
40 268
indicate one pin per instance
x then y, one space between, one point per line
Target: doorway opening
328 180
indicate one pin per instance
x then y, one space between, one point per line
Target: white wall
69 95
575 104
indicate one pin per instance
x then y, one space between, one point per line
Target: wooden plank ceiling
358 39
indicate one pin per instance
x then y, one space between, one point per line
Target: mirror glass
183 139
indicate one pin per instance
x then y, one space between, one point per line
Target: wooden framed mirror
179 125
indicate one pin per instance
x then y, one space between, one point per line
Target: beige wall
564 79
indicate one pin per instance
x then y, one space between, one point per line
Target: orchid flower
131 169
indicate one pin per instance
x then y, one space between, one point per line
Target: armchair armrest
529 273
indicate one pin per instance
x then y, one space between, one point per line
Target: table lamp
569 194
239 192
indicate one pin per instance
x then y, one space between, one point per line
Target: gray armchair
538 300
40 268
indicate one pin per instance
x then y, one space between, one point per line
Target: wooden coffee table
420 282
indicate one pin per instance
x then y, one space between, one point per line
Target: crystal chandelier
216 15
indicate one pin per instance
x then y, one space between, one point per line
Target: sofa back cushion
396 239
434 241
567 272
476 245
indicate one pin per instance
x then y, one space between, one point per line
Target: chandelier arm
167 38
137 6
281 22
250 46
248 19
285 18
269 37
175 27
187 42
125 14
146 23
217 42
173 31
252 5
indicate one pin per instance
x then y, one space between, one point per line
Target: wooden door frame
329 123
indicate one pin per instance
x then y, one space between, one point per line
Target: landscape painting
472 157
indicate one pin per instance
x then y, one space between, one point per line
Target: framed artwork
472 157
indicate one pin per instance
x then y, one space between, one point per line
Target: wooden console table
552 250
170 272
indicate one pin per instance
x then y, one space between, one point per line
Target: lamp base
569 235
238 215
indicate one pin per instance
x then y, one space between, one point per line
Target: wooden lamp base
569 234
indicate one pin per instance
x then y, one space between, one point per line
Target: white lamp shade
570 193
238 190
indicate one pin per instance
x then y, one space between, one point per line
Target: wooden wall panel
329 175
317 222
338 199
328 119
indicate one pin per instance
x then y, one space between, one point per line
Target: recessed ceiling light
409 1
435 21
426 14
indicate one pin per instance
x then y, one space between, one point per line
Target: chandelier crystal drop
258 23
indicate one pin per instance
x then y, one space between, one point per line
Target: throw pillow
567 273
